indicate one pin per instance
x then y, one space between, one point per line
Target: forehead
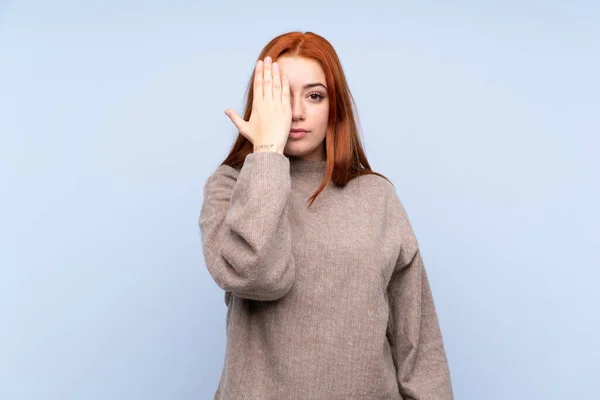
301 70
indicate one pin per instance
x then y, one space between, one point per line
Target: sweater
323 303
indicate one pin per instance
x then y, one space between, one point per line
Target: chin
301 148
293 148
297 149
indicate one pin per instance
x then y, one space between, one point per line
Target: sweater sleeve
414 333
245 229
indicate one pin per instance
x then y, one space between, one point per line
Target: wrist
267 147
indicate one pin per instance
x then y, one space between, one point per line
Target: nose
297 108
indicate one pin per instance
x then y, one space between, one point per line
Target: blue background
485 115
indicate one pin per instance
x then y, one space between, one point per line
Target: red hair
346 158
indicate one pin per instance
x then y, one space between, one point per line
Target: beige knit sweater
328 302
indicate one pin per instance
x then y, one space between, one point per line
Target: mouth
298 133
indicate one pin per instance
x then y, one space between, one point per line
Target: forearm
247 239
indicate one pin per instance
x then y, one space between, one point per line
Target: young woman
326 290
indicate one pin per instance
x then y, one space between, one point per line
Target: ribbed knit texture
324 303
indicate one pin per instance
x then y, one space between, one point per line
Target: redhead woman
326 291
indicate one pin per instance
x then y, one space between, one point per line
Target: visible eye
318 95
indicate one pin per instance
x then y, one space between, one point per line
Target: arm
414 332
245 229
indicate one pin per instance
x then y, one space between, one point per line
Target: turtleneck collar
307 174
301 165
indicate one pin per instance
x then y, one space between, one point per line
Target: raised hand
271 118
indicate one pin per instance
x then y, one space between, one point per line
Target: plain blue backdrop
485 115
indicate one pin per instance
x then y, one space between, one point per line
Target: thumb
238 121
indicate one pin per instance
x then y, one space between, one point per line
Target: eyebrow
310 85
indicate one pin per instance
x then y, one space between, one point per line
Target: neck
307 174
303 165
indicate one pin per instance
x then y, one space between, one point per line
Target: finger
267 81
238 121
276 83
285 90
258 86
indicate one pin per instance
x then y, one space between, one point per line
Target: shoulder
377 187
387 194
221 180
396 213
226 172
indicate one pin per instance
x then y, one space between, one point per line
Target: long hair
346 158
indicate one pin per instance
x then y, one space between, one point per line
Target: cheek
320 115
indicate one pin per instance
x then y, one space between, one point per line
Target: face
310 106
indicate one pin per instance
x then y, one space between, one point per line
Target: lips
297 133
